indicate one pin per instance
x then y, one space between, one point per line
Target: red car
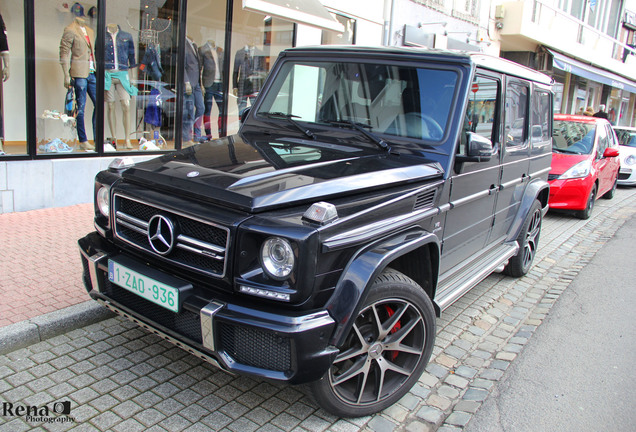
585 163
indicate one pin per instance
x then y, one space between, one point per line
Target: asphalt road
577 372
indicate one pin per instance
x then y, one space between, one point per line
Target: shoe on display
87 146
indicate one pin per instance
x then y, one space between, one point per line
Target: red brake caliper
396 327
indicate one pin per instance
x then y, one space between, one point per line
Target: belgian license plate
144 286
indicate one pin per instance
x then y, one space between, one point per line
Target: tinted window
516 114
541 115
626 138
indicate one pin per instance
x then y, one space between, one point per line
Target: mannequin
78 65
193 99
212 77
248 74
4 65
119 57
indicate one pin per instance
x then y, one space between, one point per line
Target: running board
455 286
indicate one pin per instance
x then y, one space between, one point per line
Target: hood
561 162
261 175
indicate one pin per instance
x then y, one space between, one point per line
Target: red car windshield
573 137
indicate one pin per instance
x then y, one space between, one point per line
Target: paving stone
242 425
105 421
438 401
381 424
126 409
475 394
456 381
130 425
149 417
458 418
431 414
448 392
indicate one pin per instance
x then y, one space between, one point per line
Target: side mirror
610 152
479 149
244 114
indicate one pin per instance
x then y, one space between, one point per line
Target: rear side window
540 132
516 114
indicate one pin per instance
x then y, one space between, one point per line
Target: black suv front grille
195 244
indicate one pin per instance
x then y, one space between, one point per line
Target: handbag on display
70 108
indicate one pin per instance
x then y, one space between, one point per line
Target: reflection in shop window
257 40
12 82
346 37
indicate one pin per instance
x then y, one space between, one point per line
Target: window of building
139 58
257 40
204 101
347 37
12 80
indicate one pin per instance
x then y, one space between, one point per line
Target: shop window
66 96
346 37
12 80
257 40
139 58
205 99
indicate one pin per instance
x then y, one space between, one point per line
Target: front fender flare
532 192
360 273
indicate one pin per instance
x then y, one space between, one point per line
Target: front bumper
224 333
627 176
570 194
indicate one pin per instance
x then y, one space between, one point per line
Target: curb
38 329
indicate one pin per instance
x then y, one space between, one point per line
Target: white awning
588 71
310 12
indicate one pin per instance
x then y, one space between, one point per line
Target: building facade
587 46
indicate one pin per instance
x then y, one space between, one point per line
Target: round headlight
103 200
630 160
277 257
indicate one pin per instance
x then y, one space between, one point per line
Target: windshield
573 137
626 138
395 100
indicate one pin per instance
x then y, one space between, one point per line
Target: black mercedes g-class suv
367 189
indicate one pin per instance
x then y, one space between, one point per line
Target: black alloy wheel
528 240
385 351
587 212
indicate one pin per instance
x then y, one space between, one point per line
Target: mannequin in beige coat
78 65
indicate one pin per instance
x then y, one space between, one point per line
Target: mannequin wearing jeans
193 99
119 56
78 64
212 61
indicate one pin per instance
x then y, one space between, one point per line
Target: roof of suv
493 63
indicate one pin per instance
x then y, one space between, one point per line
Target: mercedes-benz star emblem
161 234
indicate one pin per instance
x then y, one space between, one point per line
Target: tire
367 376
610 193
587 212
528 241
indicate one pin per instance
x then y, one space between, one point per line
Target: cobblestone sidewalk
121 378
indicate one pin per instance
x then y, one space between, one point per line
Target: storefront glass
346 37
204 99
12 80
257 40
140 54
65 79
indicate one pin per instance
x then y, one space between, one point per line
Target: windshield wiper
362 128
290 118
